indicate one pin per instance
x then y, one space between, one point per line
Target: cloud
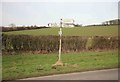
42 13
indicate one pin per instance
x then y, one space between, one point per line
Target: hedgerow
47 44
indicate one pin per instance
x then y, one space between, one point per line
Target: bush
105 42
46 44
7 29
73 43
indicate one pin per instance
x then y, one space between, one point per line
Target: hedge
46 44
7 29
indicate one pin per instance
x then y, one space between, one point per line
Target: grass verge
29 65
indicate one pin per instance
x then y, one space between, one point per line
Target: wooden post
60 34
59 62
60 44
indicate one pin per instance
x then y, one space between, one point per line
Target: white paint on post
60 34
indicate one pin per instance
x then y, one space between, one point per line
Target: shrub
46 44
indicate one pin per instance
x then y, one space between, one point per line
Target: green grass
29 65
77 31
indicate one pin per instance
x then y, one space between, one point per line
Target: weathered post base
58 63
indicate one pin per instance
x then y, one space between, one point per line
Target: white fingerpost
60 34
59 62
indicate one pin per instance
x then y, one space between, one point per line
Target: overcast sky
44 12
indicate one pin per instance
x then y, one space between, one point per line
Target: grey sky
42 13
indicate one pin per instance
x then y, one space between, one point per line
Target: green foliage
14 28
105 42
89 43
73 43
47 44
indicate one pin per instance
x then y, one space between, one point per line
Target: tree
12 25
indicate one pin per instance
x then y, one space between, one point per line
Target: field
77 31
25 65
29 65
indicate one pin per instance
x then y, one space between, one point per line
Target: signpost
62 22
59 62
60 34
